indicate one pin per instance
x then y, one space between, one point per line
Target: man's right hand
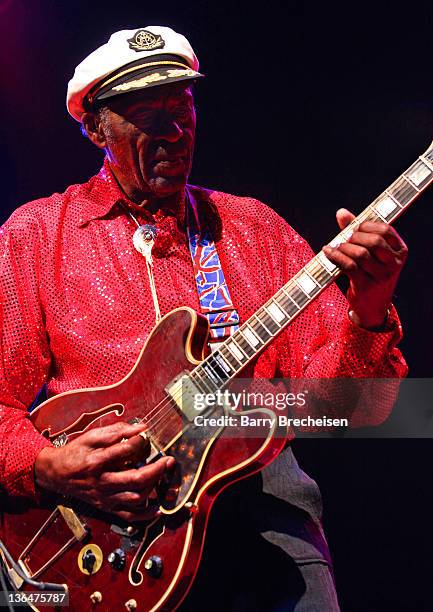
93 468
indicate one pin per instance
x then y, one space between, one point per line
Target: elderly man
78 302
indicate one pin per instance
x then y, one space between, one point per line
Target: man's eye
182 113
144 116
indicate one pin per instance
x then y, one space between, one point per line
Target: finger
344 217
346 263
388 233
128 500
133 450
365 260
377 246
140 479
111 434
149 514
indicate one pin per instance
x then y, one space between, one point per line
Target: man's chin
163 186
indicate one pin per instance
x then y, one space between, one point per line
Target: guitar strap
213 293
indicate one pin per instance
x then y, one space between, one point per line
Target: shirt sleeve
330 346
25 356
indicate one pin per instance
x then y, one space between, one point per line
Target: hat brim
145 80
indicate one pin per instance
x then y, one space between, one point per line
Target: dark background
308 106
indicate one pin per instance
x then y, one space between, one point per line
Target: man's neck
173 205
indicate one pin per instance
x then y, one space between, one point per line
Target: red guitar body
158 560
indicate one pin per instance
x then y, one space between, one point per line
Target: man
78 302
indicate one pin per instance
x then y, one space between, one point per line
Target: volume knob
153 566
117 559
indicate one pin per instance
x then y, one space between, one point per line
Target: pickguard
190 451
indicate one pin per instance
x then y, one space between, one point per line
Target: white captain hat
131 60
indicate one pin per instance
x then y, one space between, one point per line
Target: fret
391 197
419 174
277 302
273 315
404 177
325 262
307 284
229 357
262 331
251 336
244 344
297 296
385 207
237 345
375 216
274 320
210 373
287 303
402 191
372 214
265 318
234 350
275 311
224 363
318 271
300 287
197 377
220 370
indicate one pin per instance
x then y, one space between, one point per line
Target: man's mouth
169 166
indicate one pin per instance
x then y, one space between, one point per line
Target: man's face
149 139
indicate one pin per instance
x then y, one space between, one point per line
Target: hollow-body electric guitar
99 562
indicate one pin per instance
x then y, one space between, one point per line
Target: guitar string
153 421
154 416
369 213
365 215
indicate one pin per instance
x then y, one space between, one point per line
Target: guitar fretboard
265 324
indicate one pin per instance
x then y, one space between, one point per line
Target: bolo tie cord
143 241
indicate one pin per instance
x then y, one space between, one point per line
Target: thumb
344 217
157 469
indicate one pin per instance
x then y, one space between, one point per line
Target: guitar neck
283 307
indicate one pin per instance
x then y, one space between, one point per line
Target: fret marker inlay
250 336
326 263
385 206
276 312
306 283
419 174
222 363
235 351
337 241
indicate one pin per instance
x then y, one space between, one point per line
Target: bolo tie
213 293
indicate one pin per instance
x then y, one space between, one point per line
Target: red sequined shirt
76 306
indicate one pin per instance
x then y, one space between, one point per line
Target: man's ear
94 130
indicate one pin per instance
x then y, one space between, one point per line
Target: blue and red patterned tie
214 296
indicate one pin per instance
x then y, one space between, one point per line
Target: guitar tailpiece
35 584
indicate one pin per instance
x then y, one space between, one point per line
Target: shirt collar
103 195
105 185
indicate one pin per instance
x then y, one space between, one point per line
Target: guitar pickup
183 391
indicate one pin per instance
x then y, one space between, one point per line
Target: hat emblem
143 40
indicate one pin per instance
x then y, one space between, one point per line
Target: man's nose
168 129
